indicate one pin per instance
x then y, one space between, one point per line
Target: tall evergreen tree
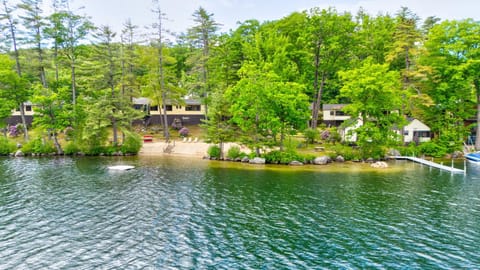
202 36
10 27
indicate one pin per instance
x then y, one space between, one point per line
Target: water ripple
74 214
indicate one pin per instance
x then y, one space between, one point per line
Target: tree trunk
221 145
57 144
24 122
318 101
74 94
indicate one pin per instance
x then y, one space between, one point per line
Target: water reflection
171 213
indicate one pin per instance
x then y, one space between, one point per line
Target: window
178 107
169 108
405 132
154 108
421 134
28 108
192 108
337 113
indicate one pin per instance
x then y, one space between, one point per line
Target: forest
260 83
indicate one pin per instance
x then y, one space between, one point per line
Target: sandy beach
180 148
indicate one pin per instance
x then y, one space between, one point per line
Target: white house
333 115
416 131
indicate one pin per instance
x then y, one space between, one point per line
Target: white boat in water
121 167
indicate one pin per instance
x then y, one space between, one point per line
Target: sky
229 12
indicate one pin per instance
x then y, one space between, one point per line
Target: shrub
234 152
433 149
13 131
311 135
183 132
71 149
132 144
6 146
214 151
278 157
39 146
347 152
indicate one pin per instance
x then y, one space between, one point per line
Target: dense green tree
34 23
452 54
7 77
374 94
9 26
330 39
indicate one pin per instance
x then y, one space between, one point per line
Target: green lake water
174 213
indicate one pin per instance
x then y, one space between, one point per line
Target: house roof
146 101
330 107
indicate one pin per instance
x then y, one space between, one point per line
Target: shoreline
179 148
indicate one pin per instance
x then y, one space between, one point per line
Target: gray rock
379 165
257 160
370 160
238 159
323 160
340 159
295 163
245 159
393 152
457 154
19 153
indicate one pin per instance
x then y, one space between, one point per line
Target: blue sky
229 12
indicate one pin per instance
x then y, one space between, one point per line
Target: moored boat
475 157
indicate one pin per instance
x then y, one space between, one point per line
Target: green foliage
347 152
234 152
285 157
311 135
214 151
71 148
132 143
433 149
39 145
6 146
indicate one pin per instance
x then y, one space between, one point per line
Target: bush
183 132
6 146
432 149
132 144
71 149
347 152
311 135
214 151
234 152
13 131
278 157
39 146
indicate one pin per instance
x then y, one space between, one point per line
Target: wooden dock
431 164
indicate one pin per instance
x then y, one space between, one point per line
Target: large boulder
340 159
19 153
257 160
245 159
323 160
295 163
379 165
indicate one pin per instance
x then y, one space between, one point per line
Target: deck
431 164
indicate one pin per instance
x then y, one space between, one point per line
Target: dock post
452 162
464 166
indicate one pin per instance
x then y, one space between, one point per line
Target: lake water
174 213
